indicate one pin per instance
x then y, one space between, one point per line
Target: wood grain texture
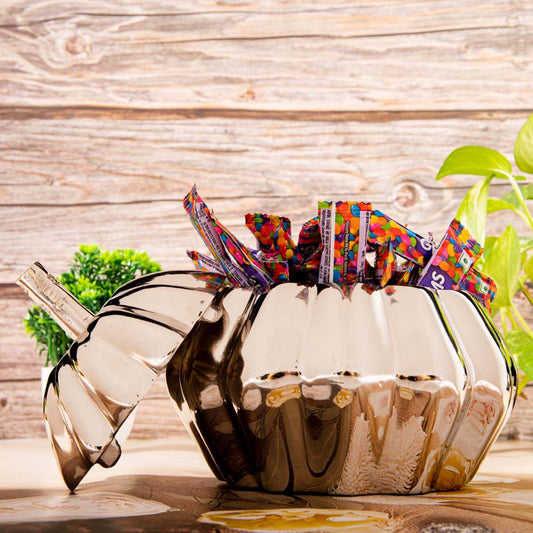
120 183
520 423
327 56
21 411
109 111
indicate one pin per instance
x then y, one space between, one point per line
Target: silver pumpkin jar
301 389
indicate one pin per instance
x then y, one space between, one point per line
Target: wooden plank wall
110 111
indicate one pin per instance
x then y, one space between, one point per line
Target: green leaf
511 198
523 380
528 268
520 345
526 244
523 148
476 160
473 209
502 264
489 243
494 205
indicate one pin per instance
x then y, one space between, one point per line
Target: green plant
507 258
94 276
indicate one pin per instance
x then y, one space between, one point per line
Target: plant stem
518 192
527 219
524 289
511 319
520 318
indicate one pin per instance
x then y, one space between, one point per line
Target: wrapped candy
273 236
204 262
480 286
385 263
241 267
332 249
344 228
405 242
452 260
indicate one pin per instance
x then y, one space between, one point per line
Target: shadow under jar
301 389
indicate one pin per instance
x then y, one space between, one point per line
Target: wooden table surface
165 485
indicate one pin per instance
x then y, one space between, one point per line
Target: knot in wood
248 95
76 45
407 194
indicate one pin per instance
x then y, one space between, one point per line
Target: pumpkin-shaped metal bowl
302 389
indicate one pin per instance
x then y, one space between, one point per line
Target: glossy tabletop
165 485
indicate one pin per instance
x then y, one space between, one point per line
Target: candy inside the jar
405 242
345 244
237 261
453 259
344 231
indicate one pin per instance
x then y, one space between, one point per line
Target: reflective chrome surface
301 389
401 391
115 358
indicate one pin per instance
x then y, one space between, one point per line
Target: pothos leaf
472 212
528 268
494 205
503 264
476 160
523 148
520 345
489 243
526 244
527 193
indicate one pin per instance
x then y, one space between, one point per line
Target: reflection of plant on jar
507 258
94 276
297 519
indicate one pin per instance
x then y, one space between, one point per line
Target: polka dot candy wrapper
452 260
310 247
385 263
278 270
241 268
405 242
408 274
273 234
481 287
344 230
332 249
204 262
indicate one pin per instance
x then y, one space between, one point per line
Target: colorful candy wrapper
244 257
241 267
273 234
480 286
309 247
204 262
278 270
385 263
405 242
407 274
344 229
332 248
452 260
